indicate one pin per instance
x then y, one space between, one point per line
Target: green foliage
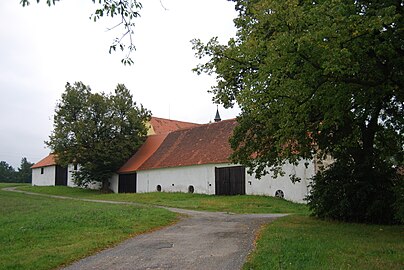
399 203
126 10
23 175
312 74
7 172
44 233
301 242
342 192
313 78
98 131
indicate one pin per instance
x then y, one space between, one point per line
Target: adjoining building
48 173
196 160
188 157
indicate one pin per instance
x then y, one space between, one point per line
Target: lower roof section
151 144
50 160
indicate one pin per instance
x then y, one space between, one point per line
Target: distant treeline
22 175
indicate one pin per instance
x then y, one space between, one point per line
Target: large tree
97 131
7 172
313 78
24 173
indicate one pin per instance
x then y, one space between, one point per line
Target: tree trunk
368 132
365 158
105 186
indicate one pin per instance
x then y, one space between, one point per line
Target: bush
399 204
347 192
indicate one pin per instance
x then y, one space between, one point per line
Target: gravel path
200 240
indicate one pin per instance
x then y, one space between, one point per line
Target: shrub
342 193
399 204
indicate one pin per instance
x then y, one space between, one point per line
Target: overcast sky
42 48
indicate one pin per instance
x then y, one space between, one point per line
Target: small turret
217 117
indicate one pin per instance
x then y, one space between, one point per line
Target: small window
279 193
158 188
42 169
191 189
75 167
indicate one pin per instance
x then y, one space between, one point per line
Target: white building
47 173
187 157
196 160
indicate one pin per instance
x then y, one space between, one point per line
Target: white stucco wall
202 178
45 179
94 185
70 178
268 185
322 164
113 183
178 179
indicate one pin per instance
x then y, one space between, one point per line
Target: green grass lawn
234 204
42 233
3 185
297 241
302 242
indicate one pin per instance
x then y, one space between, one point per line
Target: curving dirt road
200 240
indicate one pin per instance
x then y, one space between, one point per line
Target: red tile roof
48 161
204 144
151 144
176 143
164 126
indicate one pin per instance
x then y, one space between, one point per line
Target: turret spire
217 117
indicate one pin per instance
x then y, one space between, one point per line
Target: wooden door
61 176
127 183
230 180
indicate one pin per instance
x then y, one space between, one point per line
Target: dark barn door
61 176
230 180
127 183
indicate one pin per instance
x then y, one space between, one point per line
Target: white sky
42 48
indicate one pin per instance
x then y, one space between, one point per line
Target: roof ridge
175 120
207 124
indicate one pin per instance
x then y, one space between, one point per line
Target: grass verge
3 185
43 233
302 242
234 204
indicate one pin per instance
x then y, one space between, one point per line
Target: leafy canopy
97 131
7 172
22 175
312 75
126 10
